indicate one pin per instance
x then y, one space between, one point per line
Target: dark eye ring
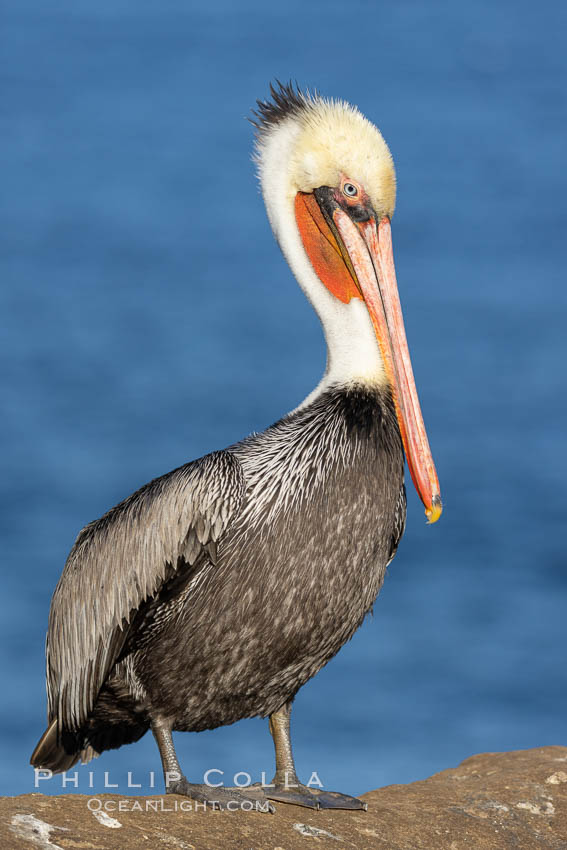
350 190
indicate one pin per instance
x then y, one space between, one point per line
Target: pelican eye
350 190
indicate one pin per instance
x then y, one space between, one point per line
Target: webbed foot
222 799
313 798
335 800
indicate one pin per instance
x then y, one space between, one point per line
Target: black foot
313 798
300 796
334 800
222 799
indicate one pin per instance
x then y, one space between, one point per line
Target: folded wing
121 560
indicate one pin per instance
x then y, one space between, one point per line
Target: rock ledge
494 801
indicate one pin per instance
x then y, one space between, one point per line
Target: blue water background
148 318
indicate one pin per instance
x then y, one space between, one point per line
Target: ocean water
148 318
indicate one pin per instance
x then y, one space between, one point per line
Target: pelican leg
286 786
230 799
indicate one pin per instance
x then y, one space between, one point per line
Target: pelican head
329 186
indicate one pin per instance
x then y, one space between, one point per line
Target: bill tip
434 512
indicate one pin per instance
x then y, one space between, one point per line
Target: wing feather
399 522
121 560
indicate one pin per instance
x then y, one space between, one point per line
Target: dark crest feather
286 100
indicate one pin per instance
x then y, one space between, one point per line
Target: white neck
353 355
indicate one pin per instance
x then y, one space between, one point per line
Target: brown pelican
215 592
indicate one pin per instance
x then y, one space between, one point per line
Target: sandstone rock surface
494 801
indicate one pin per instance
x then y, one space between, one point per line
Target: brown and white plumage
216 591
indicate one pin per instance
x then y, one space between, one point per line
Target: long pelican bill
369 248
354 259
370 251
